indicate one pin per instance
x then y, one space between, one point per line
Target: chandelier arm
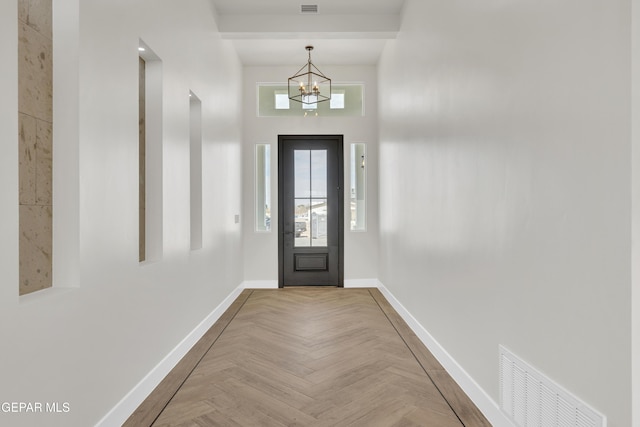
299 72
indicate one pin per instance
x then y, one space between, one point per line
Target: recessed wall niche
142 160
35 108
150 154
195 151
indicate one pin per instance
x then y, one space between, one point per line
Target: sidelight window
358 187
263 187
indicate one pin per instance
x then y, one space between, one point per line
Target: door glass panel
319 223
319 173
302 231
302 173
310 186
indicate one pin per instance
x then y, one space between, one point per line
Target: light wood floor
308 357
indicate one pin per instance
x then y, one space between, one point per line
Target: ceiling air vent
308 8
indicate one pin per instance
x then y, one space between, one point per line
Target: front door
310 210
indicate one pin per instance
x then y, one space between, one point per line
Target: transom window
346 100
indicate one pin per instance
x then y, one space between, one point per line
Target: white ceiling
289 7
274 32
291 52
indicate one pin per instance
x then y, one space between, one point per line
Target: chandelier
309 86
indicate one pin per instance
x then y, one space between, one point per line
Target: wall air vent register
308 8
530 398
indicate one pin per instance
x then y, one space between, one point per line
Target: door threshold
309 286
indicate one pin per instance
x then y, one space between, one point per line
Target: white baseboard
259 284
123 409
480 398
362 283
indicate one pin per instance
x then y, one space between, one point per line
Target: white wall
109 320
635 258
9 153
260 248
505 187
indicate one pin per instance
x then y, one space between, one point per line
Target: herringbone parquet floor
311 357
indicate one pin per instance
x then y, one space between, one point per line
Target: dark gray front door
310 210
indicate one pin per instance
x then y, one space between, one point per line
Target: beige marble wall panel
35 248
23 10
35 105
35 68
27 158
44 163
39 16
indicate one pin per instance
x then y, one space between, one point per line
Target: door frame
340 171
